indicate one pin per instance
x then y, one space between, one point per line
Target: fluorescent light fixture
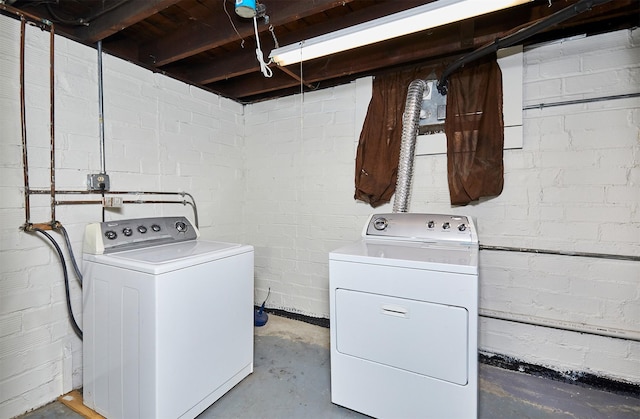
437 13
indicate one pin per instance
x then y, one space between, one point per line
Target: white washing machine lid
161 259
454 258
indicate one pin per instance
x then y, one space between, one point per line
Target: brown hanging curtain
475 132
379 144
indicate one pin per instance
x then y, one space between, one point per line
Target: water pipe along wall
142 196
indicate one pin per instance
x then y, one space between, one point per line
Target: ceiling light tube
431 15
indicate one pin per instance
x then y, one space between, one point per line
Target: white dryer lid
455 258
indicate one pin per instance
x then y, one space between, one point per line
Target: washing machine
167 318
404 318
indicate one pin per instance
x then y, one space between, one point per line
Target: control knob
462 227
110 234
142 229
155 227
380 223
127 231
181 226
446 226
431 224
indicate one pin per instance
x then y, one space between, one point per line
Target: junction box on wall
98 182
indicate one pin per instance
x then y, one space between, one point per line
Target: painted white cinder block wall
574 186
281 178
162 135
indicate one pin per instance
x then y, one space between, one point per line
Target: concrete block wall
279 175
578 181
574 186
299 202
161 135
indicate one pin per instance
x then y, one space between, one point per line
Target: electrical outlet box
98 182
112 202
434 105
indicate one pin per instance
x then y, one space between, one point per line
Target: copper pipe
86 202
52 190
42 226
23 15
70 192
138 201
100 202
75 192
25 162
23 121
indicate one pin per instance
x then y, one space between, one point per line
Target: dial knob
380 223
462 227
431 224
181 226
155 227
142 229
446 226
110 234
127 231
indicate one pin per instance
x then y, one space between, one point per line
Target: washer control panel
421 227
112 236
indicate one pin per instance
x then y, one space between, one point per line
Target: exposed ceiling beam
396 52
120 18
429 45
204 50
200 36
244 62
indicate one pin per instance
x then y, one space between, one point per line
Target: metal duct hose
410 125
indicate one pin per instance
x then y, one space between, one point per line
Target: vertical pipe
23 120
52 122
101 109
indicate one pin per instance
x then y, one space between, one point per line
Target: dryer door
421 337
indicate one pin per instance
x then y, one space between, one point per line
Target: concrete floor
291 380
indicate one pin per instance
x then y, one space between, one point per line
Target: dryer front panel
421 337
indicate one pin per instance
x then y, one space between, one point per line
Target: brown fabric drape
379 144
475 132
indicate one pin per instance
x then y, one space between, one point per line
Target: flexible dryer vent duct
410 125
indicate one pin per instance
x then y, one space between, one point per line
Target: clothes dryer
404 318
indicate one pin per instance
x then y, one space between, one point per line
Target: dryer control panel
119 235
421 227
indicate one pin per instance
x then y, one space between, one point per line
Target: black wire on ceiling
70 20
516 38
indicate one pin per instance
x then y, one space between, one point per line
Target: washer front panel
137 233
166 342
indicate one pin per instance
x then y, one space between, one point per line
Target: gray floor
291 380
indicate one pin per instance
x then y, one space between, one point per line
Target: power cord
264 67
260 318
72 318
71 255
